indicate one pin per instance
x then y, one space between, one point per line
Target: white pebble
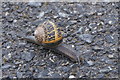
109 67
110 22
110 56
71 76
99 14
15 20
90 63
73 46
8 47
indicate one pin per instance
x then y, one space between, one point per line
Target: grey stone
34 4
55 75
43 74
97 48
41 14
65 69
100 76
86 37
27 56
19 74
6 66
91 63
104 70
92 25
22 44
109 38
63 14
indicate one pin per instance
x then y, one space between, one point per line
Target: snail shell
48 33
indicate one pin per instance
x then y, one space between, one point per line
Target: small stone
41 14
92 26
110 22
104 70
34 4
109 38
72 76
66 69
99 14
22 44
43 74
110 68
90 63
7 57
63 14
6 66
100 75
8 47
111 56
6 9
15 21
19 74
86 37
80 30
10 20
55 17
55 75
109 62
97 48
6 13
73 46
27 56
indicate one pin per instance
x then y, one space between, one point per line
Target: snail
48 34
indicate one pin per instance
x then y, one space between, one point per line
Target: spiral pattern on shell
48 32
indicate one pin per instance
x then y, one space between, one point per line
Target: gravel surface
91 29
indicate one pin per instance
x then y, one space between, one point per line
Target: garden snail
48 34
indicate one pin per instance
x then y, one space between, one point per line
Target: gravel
90 29
86 37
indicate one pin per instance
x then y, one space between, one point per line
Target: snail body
49 34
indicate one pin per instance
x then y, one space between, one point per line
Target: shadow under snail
48 34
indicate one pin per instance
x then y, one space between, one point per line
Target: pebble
104 70
99 14
86 37
66 69
8 47
55 75
92 26
63 14
91 63
7 56
6 66
41 14
109 38
22 44
15 21
34 4
43 74
73 46
72 76
111 56
97 48
27 56
100 76
19 74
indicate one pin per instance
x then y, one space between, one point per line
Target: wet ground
91 29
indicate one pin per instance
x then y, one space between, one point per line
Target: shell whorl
48 32
39 34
